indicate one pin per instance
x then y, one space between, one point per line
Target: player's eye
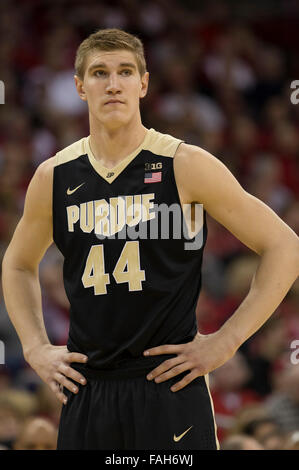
100 73
126 72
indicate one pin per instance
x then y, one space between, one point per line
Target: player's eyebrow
103 65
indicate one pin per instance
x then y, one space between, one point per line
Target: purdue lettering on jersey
126 293
109 217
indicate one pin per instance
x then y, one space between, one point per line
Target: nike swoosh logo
71 191
177 439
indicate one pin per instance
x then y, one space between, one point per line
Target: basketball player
134 374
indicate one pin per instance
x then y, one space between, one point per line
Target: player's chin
116 119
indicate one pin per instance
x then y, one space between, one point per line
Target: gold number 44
127 269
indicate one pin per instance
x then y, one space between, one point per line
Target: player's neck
110 146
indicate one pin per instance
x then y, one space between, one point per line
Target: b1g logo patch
153 166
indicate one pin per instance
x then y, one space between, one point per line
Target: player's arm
32 237
21 286
251 221
204 179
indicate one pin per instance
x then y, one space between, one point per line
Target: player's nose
113 85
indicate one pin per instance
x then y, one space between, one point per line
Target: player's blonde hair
109 40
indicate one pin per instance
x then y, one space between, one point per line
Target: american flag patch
153 177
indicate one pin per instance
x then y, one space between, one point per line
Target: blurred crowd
220 75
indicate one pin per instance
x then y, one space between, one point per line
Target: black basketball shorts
116 412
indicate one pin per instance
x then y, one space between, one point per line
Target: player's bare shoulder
186 152
39 193
201 175
189 166
34 230
189 156
44 171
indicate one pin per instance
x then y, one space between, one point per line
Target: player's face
112 86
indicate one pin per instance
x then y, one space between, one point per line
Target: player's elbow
6 260
13 262
287 246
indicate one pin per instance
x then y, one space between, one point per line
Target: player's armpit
33 234
203 178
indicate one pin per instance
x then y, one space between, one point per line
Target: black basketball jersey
131 276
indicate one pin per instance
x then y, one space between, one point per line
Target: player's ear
144 85
80 88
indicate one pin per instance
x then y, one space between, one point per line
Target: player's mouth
114 102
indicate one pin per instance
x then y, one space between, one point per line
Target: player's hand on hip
200 356
52 364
